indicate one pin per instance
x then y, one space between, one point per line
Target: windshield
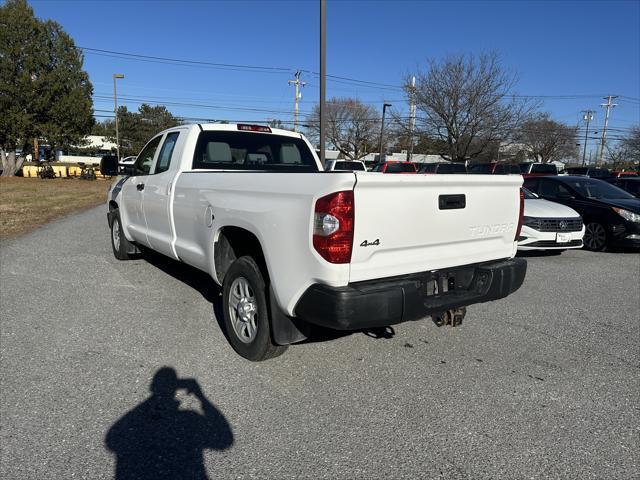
528 194
349 166
591 188
452 168
400 168
543 168
481 168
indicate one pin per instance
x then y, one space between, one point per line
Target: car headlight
627 215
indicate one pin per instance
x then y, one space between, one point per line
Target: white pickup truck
293 245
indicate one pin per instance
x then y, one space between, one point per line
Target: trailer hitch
453 317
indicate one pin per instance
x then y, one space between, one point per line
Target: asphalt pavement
542 384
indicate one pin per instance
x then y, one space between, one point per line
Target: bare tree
546 140
352 126
467 102
632 144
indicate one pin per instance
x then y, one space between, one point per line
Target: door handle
140 186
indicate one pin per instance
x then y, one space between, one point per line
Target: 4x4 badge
366 243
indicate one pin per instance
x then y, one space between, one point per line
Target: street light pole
384 109
588 116
115 111
323 78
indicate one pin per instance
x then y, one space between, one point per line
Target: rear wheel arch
232 243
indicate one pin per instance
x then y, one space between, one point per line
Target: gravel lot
543 384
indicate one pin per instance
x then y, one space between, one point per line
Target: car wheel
246 317
595 237
121 246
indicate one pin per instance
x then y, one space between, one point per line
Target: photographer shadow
159 440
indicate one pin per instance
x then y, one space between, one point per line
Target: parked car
345 165
588 172
293 247
394 167
628 173
442 168
611 215
549 225
628 184
495 168
533 169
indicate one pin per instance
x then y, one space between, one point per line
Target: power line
183 61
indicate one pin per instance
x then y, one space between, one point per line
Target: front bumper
625 234
394 300
532 239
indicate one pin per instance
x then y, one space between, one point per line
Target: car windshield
543 168
349 166
529 195
452 168
632 186
481 168
399 168
591 188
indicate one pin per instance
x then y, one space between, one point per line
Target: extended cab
294 246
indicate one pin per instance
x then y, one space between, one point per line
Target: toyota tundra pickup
294 246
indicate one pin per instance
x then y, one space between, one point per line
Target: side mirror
109 166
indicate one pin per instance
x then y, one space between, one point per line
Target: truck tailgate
414 223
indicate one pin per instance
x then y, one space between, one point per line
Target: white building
101 144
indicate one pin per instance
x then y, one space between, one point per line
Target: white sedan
549 225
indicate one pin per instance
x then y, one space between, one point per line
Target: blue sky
559 48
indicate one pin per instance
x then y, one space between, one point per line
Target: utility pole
608 106
588 116
323 77
384 109
115 111
412 117
298 84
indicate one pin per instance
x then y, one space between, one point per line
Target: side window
499 169
164 159
145 159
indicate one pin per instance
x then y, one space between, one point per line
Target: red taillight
333 226
253 128
521 215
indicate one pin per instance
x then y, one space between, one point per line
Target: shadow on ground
160 440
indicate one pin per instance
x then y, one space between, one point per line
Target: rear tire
119 243
595 237
246 315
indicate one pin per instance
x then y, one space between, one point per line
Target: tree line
466 110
